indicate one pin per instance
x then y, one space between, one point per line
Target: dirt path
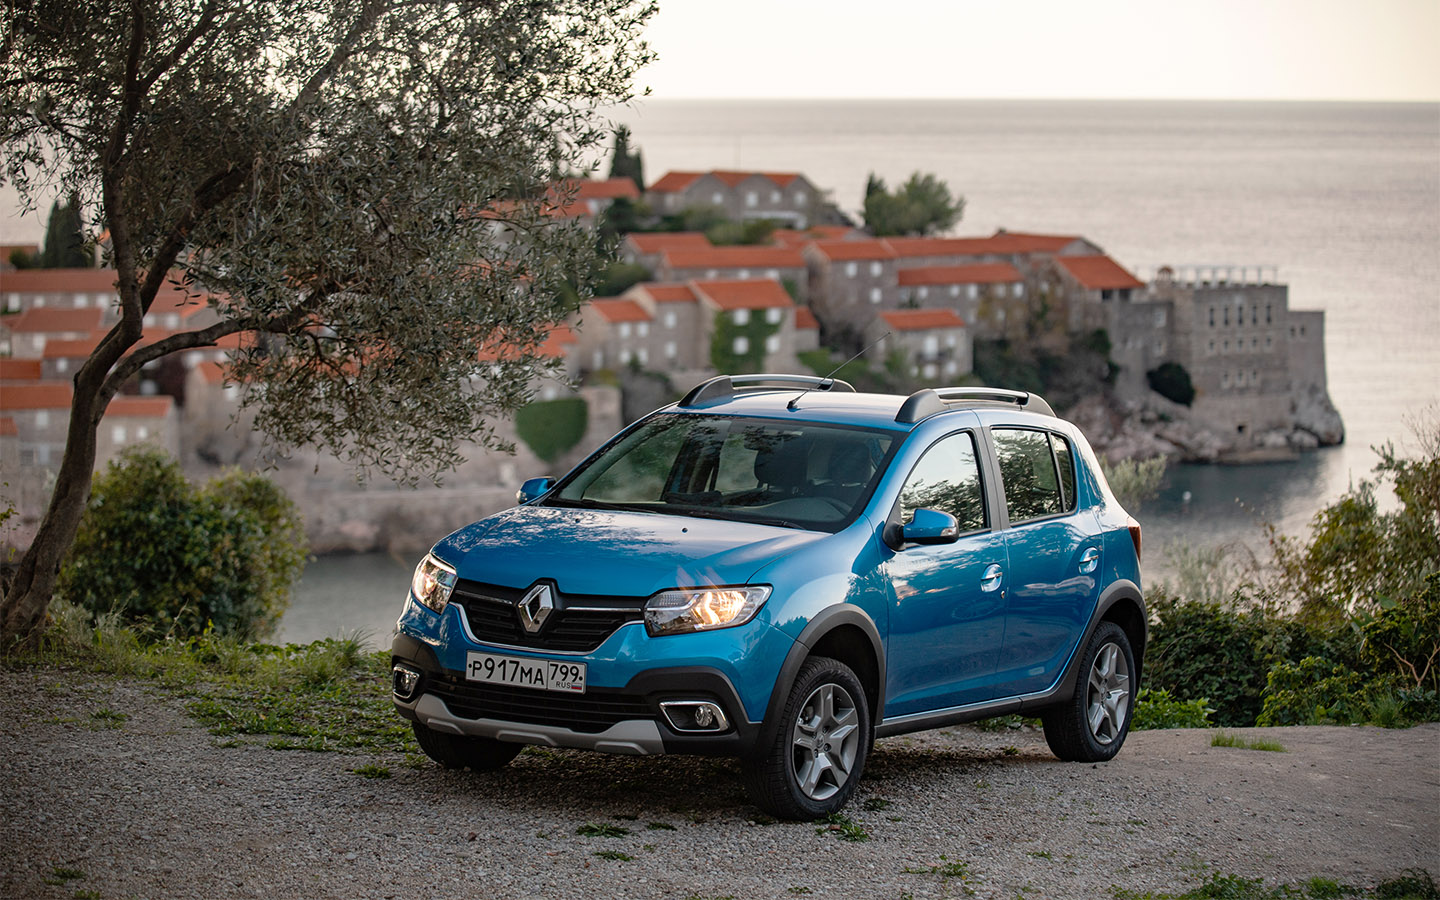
118 785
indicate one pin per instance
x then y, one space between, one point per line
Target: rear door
1054 552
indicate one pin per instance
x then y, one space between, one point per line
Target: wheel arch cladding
1126 610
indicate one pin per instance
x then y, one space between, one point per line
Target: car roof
806 398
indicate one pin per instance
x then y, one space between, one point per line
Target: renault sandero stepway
780 569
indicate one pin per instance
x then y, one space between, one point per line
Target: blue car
780 569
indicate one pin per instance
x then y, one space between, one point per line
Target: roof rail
730 385
927 402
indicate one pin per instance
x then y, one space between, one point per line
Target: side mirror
931 526
534 487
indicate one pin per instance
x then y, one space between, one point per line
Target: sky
1053 49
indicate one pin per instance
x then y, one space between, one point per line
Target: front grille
491 612
591 712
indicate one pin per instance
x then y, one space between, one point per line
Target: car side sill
956 715
635 737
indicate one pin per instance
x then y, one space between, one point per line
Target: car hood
588 551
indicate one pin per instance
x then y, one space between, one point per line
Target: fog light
694 715
404 681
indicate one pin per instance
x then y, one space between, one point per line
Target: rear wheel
1092 725
820 748
454 751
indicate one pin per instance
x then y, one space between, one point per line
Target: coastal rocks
1314 414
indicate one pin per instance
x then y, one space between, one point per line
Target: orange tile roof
53 320
609 189
679 181
758 293
910 247
211 371
71 348
805 319
668 291
20 369
59 281
1098 273
620 310
844 251
676 181
140 407
660 241
173 300
921 319
41 395
1029 242
979 273
8 427
735 257
789 236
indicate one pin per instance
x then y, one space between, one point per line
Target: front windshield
800 475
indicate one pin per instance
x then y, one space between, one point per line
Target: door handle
1089 560
990 581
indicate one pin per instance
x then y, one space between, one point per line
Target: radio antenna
828 380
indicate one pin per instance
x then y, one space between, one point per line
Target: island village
814 291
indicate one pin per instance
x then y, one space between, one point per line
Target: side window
947 478
1038 472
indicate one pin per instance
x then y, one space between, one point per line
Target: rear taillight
1134 527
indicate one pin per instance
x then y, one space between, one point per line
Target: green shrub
1156 709
1313 691
551 427
171 559
1171 381
1404 639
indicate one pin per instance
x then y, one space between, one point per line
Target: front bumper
627 720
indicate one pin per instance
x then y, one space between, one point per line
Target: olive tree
356 189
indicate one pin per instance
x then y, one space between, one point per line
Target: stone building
787 197
850 283
785 265
929 343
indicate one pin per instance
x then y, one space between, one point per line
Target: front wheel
1092 724
455 751
819 751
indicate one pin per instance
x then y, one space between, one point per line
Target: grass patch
873 804
603 829
659 826
613 854
372 771
944 869
62 874
1411 884
324 696
843 828
1223 739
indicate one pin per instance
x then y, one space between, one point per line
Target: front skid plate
635 737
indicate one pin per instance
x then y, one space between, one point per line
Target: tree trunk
22 610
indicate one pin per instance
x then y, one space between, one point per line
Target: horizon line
864 99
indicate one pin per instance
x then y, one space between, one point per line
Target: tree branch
207 18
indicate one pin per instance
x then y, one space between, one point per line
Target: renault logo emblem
535 607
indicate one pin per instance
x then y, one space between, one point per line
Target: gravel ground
152 806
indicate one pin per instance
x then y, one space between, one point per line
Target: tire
454 751
1092 725
820 747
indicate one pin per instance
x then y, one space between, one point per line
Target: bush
1313 691
171 559
1157 709
551 427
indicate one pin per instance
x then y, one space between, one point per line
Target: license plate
539 674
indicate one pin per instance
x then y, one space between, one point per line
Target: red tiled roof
805 319
789 236
178 301
8 427
1098 273
609 189
735 257
70 348
910 247
620 310
842 251
668 291
59 281
921 319
1029 242
211 371
53 320
676 181
140 407
659 242
679 181
41 395
20 369
980 273
758 293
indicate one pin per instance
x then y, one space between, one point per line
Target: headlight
433 583
701 609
